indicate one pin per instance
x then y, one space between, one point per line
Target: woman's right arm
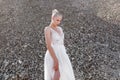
49 47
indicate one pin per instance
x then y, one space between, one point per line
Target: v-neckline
56 31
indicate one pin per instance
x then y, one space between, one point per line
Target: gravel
92 38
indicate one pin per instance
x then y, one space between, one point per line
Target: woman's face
57 20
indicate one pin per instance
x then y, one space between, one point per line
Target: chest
56 36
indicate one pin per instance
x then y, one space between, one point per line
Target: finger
56 69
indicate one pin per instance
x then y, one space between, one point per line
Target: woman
57 65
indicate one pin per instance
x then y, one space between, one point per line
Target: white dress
65 67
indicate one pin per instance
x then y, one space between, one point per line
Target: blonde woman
57 65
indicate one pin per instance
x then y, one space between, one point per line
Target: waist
57 43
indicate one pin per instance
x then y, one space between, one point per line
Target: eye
58 20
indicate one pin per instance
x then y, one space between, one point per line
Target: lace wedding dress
65 67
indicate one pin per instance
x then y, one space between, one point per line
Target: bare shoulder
46 29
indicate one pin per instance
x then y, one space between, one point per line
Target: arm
49 47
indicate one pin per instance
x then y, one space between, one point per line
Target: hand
56 65
56 75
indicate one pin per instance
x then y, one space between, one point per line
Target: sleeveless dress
65 66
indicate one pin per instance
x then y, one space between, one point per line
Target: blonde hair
55 13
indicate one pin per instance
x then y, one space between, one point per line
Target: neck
52 25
